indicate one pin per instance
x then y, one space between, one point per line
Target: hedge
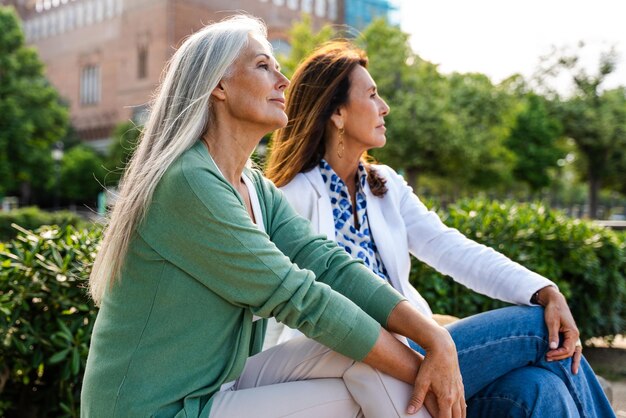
32 217
46 318
587 262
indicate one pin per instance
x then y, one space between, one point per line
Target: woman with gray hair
200 249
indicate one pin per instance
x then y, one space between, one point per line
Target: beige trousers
304 379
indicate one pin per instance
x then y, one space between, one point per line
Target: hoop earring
340 146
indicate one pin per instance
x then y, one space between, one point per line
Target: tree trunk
25 192
594 189
411 178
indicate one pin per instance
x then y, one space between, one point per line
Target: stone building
106 56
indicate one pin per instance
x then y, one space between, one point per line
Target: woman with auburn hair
516 361
200 249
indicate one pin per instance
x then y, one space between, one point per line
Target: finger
417 398
558 354
457 411
430 403
552 323
445 406
463 409
570 340
578 354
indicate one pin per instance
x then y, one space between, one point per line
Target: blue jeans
505 373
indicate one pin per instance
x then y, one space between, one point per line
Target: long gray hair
180 115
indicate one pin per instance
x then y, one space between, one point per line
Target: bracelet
534 299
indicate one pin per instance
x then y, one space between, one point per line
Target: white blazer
401 225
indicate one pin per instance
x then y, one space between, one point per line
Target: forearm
408 321
392 357
396 359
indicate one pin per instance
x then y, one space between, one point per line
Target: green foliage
46 320
303 41
587 262
451 127
125 140
595 119
32 218
534 142
32 117
485 115
82 172
420 130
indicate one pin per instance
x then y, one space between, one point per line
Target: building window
307 6
332 9
99 10
110 8
142 62
89 13
90 85
320 8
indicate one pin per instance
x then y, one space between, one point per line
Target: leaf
59 357
75 361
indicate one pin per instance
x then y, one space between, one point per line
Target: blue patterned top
358 242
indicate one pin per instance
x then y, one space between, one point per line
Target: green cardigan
178 324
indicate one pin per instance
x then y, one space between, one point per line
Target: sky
500 38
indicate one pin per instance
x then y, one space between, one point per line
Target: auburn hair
319 86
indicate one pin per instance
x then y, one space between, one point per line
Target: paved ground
619 398
611 363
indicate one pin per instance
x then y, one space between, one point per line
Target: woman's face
364 115
254 93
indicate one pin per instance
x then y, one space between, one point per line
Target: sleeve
451 253
293 235
198 222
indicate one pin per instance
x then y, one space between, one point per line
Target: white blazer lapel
325 220
382 236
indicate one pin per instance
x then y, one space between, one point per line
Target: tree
32 117
594 118
485 114
534 142
81 174
125 140
303 41
419 127
448 127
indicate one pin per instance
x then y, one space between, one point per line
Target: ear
219 93
337 117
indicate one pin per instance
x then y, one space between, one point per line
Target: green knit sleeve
198 222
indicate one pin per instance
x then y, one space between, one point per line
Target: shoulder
396 185
299 183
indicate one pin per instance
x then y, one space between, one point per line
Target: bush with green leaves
46 317
46 320
588 262
32 217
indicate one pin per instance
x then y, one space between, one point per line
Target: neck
347 165
230 147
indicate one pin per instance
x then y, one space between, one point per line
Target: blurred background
507 118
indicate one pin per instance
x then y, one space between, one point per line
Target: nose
283 82
384 109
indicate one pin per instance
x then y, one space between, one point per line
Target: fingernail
411 410
554 345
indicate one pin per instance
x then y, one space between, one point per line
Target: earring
340 145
